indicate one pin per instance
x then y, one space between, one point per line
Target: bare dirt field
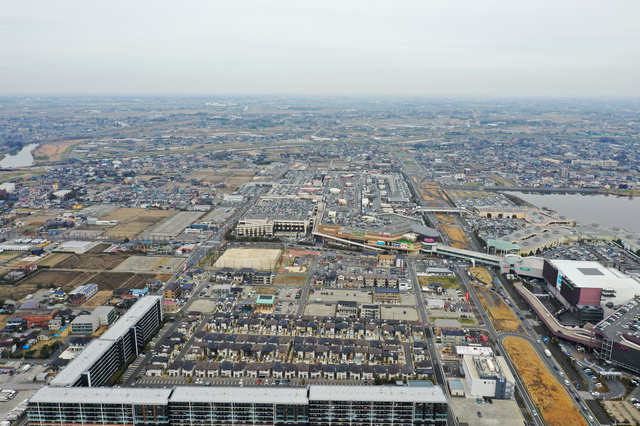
99 299
132 222
501 315
550 397
52 259
53 151
68 280
261 259
289 280
38 219
101 262
264 290
425 196
234 179
445 218
149 264
456 234
481 274
98 249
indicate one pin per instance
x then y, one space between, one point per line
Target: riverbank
24 157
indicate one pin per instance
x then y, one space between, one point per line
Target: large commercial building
588 283
207 406
103 357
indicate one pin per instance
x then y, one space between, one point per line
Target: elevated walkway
476 256
578 335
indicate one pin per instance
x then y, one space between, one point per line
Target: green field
447 282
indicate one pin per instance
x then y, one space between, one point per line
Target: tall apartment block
103 357
314 405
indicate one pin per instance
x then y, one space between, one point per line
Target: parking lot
245 381
398 313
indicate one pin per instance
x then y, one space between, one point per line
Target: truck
26 368
547 352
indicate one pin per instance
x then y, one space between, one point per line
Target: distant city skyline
411 48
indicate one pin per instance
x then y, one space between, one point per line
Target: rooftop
85 395
376 393
130 318
256 395
81 363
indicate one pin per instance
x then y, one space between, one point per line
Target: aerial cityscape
286 213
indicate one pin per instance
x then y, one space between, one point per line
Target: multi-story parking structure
103 357
277 216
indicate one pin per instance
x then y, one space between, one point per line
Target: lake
607 210
23 158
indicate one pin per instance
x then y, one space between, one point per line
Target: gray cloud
583 48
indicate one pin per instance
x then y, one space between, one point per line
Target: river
23 158
607 210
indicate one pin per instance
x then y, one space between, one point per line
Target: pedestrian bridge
442 210
475 256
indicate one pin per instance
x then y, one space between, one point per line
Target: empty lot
149 264
174 225
68 280
132 222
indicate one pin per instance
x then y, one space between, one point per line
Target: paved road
304 297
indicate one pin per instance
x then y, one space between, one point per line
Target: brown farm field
68 280
132 222
501 315
553 401
101 262
52 259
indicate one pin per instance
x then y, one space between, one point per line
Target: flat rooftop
376 393
47 394
81 363
589 274
253 395
131 317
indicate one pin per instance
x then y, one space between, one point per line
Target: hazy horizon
465 49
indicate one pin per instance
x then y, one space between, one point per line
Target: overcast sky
417 48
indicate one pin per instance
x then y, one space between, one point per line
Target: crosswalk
135 364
